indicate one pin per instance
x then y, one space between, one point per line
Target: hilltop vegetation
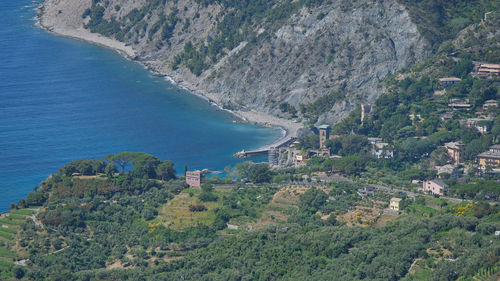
135 231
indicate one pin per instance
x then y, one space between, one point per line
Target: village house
193 178
481 124
366 191
452 170
489 70
448 81
456 150
456 103
434 186
446 116
490 104
394 204
382 150
490 158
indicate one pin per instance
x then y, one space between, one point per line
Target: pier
265 149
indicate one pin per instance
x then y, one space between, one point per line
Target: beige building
490 158
456 150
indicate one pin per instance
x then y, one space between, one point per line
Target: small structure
366 191
452 170
481 124
446 116
456 103
273 156
324 134
232 226
448 81
456 150
382 150
434 186
490 104
373 141
489 69
490 158
193 179
394 204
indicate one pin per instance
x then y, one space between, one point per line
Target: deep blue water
63 99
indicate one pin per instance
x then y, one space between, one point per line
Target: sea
63 99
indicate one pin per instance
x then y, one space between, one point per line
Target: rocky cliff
257 56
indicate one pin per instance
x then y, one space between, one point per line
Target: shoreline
289 127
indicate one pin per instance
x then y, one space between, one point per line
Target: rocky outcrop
347 46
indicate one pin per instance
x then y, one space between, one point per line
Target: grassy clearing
5 273
176 212
8 230
23 212
10 221
16 217
6 235
5 253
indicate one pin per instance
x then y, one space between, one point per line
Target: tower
324 134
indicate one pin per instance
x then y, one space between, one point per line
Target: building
456 150
448 81
273 156
481 124
452 170
366 191
456 103
434 186
490 104
490 158
193 178
489 69
394 204
382 150
324 134
373 141
446 116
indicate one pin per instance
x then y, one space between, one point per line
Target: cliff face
295 56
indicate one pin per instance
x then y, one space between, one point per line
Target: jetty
265 149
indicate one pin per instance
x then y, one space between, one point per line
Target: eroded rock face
346 45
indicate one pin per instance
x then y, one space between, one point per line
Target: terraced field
9 227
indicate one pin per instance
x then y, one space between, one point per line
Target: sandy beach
51 20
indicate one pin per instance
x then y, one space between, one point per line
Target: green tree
260 173
111 169
473 149
165 171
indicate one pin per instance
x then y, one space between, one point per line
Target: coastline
289 127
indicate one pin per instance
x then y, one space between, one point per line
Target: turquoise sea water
63 99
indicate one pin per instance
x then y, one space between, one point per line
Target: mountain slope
259 54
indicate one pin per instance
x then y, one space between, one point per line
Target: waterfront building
193 178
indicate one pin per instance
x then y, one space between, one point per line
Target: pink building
434 186
193 178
